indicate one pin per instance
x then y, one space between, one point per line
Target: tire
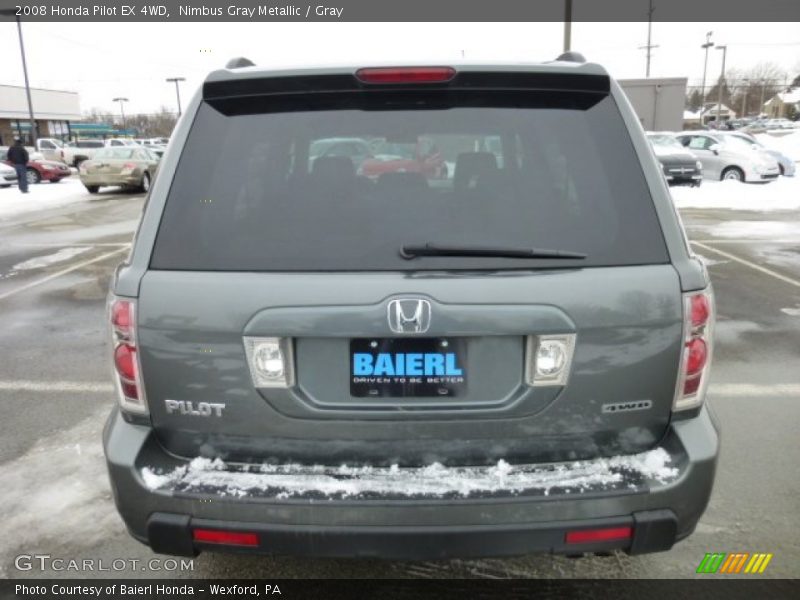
145 185
733 174
77 162
5 186
93 189
33 176
54 180
782 170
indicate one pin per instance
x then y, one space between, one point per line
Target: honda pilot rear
411 312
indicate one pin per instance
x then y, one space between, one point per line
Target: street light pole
649 46
724 49
25 74
177 90
121 109
705 46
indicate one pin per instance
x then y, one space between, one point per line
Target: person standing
18 156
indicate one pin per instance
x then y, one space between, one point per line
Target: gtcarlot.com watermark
47 562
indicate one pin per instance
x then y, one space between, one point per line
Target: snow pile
787 144
41 196
781 194
435 480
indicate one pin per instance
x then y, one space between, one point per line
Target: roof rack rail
239 62
572 56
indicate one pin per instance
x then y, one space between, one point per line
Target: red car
389 157
40 170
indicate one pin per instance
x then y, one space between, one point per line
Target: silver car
725 156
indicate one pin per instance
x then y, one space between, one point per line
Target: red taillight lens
607 534
700 310
697 353
230 538
121 317
405 74
128 166
125 361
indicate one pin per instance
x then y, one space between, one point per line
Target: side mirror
715 148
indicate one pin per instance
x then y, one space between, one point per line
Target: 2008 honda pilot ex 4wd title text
411 313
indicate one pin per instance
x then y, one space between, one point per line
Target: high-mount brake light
127 370
698 344
405 74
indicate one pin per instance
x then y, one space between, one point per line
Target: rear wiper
409 252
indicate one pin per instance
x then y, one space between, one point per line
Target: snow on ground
50 259
792 312
41 196
788 144
781 194
768 230
434 480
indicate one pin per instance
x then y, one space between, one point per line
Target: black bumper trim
653 531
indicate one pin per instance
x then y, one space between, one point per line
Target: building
53 110
658 102
784 105
709 113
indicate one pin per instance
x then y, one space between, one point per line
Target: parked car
129 167
8 176
38 169
726 157
786 165
680 166
309 361
116 142
779 124
77 152
50 148
405 156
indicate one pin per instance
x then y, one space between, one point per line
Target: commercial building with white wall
659 102
53 110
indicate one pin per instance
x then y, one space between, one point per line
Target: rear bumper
659 513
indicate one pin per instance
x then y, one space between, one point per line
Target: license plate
408 367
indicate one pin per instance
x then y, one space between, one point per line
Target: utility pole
121 109
724 49
176 80
567 25
705 47
649 46
34 133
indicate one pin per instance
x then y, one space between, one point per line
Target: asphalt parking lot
55 393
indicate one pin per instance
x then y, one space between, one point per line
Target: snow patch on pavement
769 230
58 490
781 194
435 480
49 259
792 312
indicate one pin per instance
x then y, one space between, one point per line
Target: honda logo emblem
409 315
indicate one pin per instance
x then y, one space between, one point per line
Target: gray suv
506 356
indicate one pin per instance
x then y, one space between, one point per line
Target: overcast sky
105 60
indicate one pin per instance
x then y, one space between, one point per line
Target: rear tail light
405 74
548 359
698 308
227 538
606 534
271 361
129 166
127 369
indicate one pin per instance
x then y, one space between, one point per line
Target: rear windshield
121 153
329 188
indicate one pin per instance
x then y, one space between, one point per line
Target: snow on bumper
433 481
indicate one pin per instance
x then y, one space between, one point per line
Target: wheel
33 176
54 180
5 186
77 162
782 170
733 173
93 189
145 185
696 183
